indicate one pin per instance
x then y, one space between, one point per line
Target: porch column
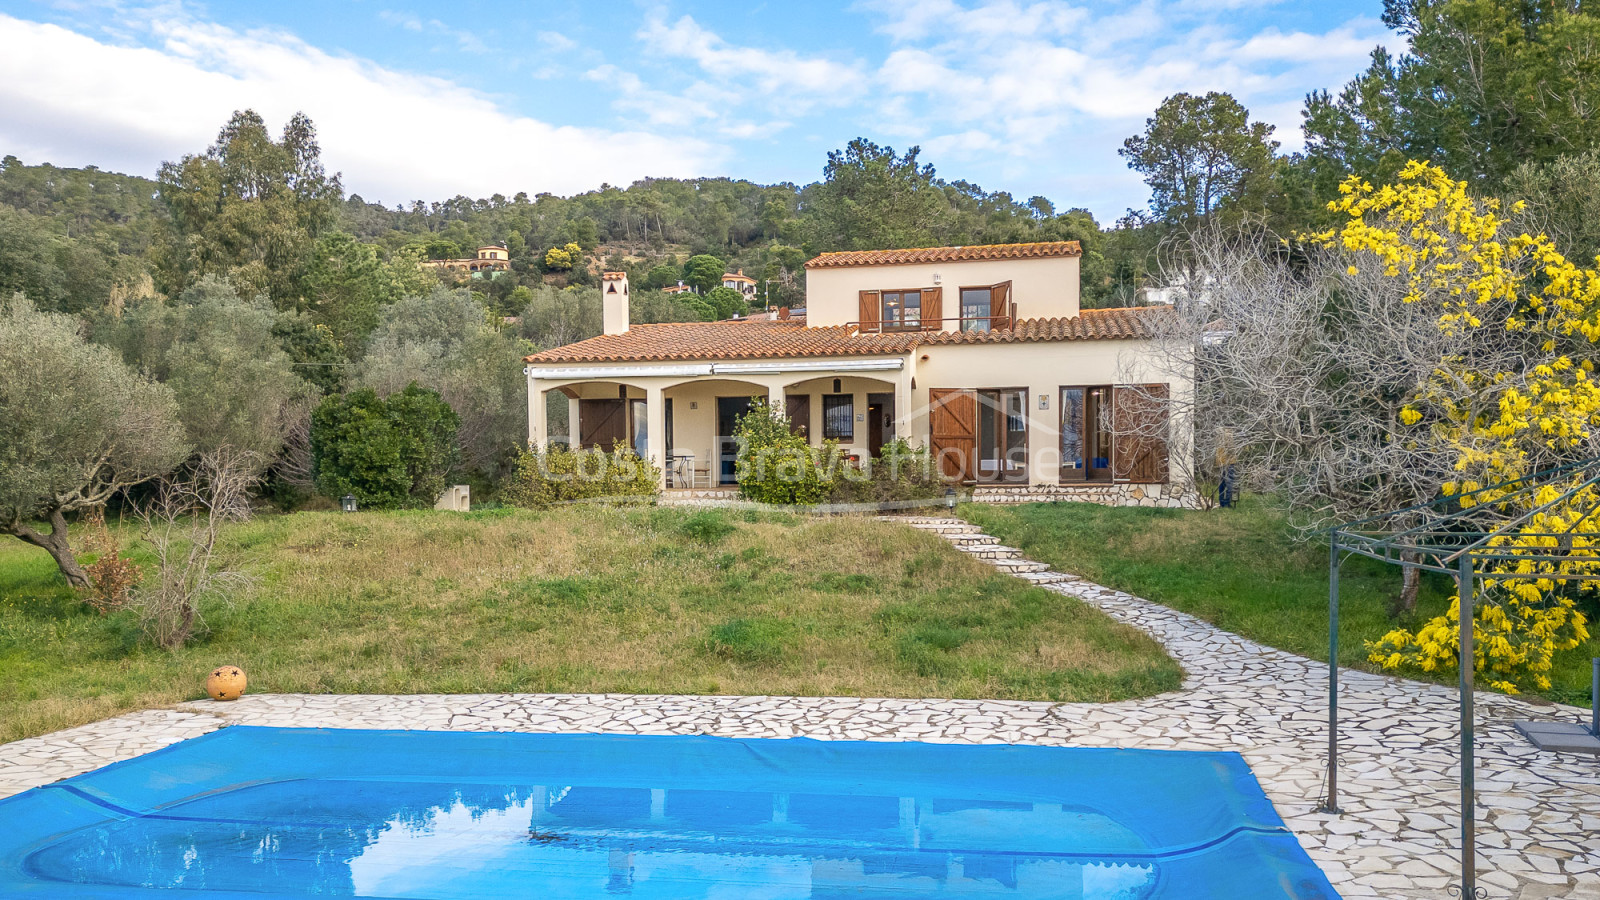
655 437
775 397
903 411
572 423
538 414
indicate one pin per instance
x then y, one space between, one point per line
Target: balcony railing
960 323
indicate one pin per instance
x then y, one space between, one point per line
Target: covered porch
682 417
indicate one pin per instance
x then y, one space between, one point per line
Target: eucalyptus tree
249 208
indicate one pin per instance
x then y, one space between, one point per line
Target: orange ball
225 683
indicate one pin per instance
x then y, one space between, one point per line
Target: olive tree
443 342
234 384
76 426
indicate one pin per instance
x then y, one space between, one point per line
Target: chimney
614 302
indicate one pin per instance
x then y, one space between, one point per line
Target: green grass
1243 569
587 599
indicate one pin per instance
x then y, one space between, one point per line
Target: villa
489 261
980 353
740 282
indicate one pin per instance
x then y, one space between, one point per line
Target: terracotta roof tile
725 340
1123 323
1039 250
613 276
784 339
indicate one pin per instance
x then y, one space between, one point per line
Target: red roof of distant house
780 339
1037 250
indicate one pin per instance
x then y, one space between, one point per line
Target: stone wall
1171 496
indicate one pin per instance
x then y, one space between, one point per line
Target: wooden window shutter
932 309
953 431
602 423
1000 306
870 311
1139 421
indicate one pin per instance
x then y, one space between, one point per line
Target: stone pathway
1539 815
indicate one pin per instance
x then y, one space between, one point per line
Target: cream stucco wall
1040 368
1041 288
694 398
1043 368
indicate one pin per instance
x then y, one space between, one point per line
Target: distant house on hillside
490 261
740 282
981 354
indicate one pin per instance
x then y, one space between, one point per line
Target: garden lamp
347 503
950 499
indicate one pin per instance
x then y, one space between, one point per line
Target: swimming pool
289 812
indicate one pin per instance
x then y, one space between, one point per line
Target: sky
426 101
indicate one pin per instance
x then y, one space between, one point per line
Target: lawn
1245 569
579 599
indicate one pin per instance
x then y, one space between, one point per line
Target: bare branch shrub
182 525
112 576
1302 360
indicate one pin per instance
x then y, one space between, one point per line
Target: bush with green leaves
556 473
386 453
901 473
777 466
774 464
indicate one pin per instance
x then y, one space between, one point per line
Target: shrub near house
777 465
385 452
556 474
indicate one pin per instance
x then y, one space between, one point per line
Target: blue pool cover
289 812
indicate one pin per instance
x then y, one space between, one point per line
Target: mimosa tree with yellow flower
1520 396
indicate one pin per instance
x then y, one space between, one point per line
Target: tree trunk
54 543
1411 579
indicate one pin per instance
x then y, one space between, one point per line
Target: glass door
1003 436
729 409
1097 416
1086 433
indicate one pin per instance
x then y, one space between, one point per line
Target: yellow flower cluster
1446 248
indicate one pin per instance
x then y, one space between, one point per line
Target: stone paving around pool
1539 832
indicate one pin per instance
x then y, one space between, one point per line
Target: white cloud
800 82
679 110
556 42
1037 76
464 40
75 100
1342 44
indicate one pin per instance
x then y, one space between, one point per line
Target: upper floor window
976 304
902 309
986 308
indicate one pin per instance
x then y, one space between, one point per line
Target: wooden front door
953 431
798 408
602 423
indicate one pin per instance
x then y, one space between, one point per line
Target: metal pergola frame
1465 542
